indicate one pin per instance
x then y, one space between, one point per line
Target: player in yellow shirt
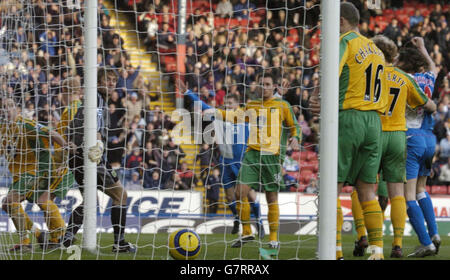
362 97
270 119
403 91
25 144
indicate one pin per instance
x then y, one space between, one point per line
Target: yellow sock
373 219
398 219
54 220
243 209
273 218
21 221
339 223
358 216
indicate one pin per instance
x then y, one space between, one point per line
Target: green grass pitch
218 247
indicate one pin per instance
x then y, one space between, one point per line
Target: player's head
411 60
387 46
107 80
70 89
349 17
266 83
10 111
231 102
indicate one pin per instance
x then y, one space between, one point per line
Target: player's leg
365 171
243 210
350 139
11 204
55 223
256 210
426 205
423 197
228 183
114 189
361 242
394 172
416 147
77 215
273 217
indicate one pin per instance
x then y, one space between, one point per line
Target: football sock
75 222
358 216
21 221
398 219
417 220
232 206
256 210
339 223
373 219
243 210
118 221
54 220
426 205
274 220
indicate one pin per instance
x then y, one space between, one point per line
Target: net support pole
329 121
181 51
90 127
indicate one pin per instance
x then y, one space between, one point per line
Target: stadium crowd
228 44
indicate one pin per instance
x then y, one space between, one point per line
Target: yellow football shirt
362 75
403 90
268 121
25 143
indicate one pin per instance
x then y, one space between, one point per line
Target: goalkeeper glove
95 153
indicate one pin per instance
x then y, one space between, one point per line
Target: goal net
154 133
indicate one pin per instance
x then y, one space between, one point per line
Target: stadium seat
296 155
305 176
306 165
428 188
439 190
301 188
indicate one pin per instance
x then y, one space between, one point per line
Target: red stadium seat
439 190
310 156
428 188
294 174
305 176
301 188
448 190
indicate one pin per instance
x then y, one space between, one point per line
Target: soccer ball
184 244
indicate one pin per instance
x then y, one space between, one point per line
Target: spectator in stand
444 176
205 156
133 106
133 162
444 148
392 31
416 18
243 8
312 186
135 183
126 80
290 182
224 9
213 185
187 176
175 183
166 39
152 180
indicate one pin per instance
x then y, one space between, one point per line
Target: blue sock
232 206
426 205
256 210
417 221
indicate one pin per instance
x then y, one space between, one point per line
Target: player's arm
291 122
420 44
416 97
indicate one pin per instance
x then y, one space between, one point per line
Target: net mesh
169 178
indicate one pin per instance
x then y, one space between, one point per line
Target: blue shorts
229 172
421 145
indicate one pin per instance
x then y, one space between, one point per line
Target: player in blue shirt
421 144
231 154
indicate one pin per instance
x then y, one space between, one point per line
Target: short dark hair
413 60
104 72
350 13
